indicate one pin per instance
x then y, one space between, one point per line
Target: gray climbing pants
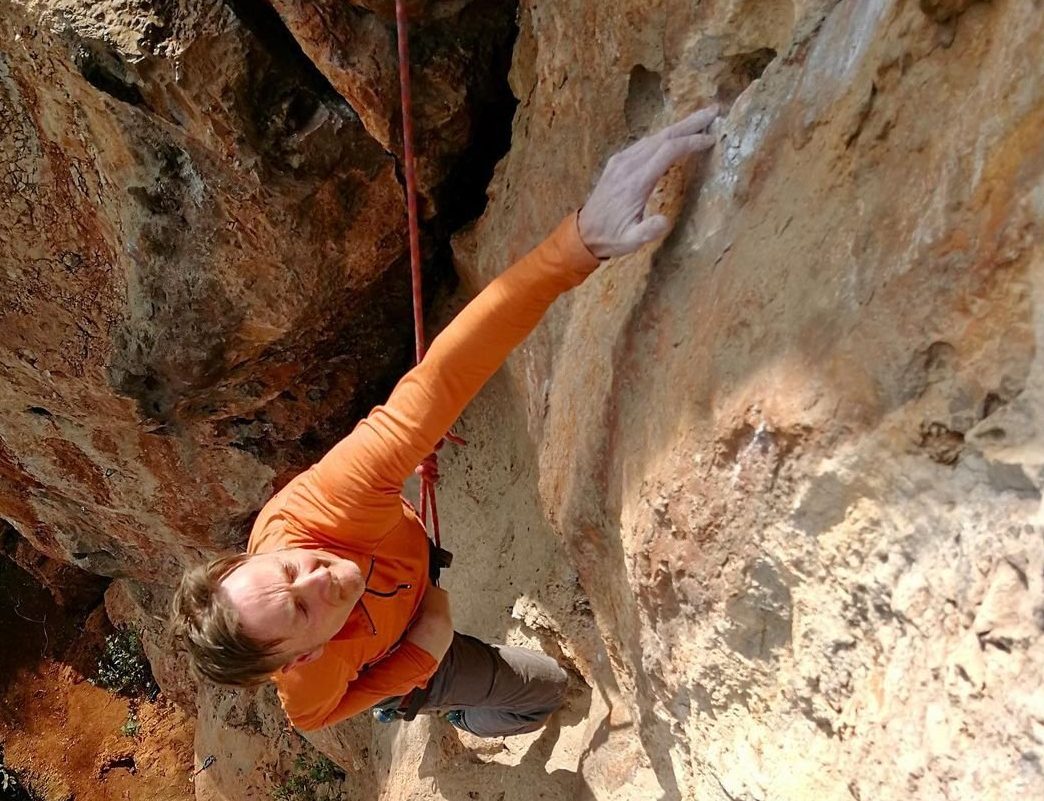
498 690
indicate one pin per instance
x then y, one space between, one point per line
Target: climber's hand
613 221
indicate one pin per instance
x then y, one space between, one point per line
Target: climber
332 600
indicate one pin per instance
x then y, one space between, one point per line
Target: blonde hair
208 627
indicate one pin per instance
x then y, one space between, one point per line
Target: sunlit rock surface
770 488
793 453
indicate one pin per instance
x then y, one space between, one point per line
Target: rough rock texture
70 587
454 48
793 453
771 489
192 227
201 251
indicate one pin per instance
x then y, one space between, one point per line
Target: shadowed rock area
770 488
203 265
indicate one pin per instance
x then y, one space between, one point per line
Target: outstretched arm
355 487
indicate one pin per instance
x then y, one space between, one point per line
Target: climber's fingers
670 151
649 158
697 122
611 222
648 230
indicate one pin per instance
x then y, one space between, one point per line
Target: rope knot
428 469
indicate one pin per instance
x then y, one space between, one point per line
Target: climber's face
299 597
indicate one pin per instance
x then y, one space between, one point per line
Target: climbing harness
428 469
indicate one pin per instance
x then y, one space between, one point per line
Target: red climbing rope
411 175
429 467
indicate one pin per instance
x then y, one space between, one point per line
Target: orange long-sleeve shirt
349 503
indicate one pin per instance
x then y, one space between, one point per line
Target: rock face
192 223
794 451
455 47
771 488
202 260
70 587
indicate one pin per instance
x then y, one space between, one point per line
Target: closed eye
290 571
301 609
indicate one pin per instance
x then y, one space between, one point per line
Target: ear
302 659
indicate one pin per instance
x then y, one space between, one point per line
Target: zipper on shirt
378 593
373 628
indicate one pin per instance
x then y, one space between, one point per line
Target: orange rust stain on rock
80 469
1019 155
957 242
15 485
65 731
105 442
158 457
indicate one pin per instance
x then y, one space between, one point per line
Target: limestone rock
202 278
245 750
1007 610
790 449
145 608
189 240
770 488
455 48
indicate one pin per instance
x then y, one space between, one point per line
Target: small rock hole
125 761
991 403
944 10
741 70
106 72
644 100
995 434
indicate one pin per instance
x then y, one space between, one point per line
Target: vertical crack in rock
463 105
472 47
258 17
463 195
295 135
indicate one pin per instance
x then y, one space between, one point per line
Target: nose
313 584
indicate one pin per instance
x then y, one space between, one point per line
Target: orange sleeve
407 667
354 490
